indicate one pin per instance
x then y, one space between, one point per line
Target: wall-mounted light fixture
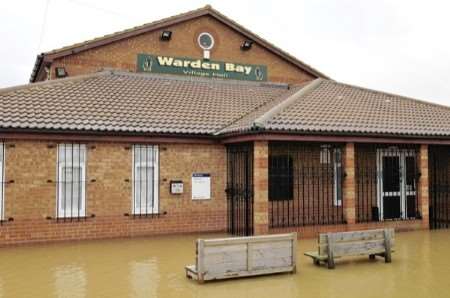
166 35
246 45
60 72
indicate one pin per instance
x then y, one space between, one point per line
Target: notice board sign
201 68
201 186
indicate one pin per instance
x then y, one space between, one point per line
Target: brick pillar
424 200
349 185
261 187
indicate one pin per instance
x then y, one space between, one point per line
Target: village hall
195 124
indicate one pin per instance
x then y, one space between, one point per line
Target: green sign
201 68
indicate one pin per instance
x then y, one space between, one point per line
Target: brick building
195 124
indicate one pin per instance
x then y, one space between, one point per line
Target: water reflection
69 281
154 267
144 279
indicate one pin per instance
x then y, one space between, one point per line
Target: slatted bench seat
243 256
371 242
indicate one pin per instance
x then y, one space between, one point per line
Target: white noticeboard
201 186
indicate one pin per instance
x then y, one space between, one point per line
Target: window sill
7 220
145 215
70 219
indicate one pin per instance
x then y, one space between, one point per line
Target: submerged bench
243 256
371 242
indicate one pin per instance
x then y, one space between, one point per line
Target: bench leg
372 257
387 256
387 246
330 262
330 239
316 262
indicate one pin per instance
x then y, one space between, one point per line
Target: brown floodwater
154 267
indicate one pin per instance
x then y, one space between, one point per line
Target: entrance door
396 183
240 189
439 165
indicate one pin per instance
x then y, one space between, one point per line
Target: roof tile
121 101
142 103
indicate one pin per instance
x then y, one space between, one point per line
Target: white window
71 171
333 156
325 156
337 174
145 179
2 181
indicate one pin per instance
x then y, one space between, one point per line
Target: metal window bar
305 184
145 200
239 189
71 181
439 191
386 182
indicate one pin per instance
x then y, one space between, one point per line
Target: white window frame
337 164
153 166
2 181
325 154
81 212
403 193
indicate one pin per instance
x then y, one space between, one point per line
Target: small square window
281 178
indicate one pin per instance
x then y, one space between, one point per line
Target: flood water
154 267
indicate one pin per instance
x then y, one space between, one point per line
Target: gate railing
386 179
305 184
240 189
439 190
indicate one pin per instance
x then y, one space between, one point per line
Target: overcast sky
397 46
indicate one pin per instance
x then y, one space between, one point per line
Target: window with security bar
145 180
2 181
71 177
305 184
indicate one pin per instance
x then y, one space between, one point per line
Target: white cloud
397 46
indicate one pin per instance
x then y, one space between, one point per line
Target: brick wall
32 196
123 54
423 187
261 189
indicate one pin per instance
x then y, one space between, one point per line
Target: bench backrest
226 255
357 242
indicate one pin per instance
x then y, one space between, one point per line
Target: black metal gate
439 186
386 177
305 184
240 189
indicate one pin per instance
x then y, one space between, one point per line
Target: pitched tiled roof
161 24
126 102
116 101
332 107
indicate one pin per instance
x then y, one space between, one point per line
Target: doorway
397 177
240 189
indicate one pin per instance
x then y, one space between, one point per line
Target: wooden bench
243 256
371 242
